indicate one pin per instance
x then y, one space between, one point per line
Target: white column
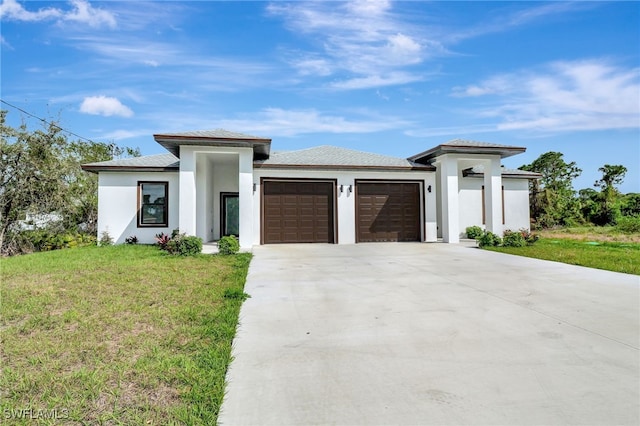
430 219
187 208
448 170
346 210
202 187
245 198
493 195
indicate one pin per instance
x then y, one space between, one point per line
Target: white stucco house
216 183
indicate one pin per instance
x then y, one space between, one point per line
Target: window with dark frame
153 204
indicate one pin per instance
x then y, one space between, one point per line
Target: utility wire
45 121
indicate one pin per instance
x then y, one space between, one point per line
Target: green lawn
117 335
612 256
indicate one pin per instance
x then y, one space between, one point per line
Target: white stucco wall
470 196
516 200
346 201
210 173
516 203
118 205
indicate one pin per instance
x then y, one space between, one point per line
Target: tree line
554 202
40 177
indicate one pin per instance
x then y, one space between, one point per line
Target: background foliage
42 186
554 202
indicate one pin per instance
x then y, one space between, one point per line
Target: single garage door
387 211
298 211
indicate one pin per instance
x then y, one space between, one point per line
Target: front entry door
230 214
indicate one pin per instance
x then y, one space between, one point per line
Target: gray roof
213 134
461 146
332 157
159 162
478 171
470 143
321 157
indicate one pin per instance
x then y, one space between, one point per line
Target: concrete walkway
433 334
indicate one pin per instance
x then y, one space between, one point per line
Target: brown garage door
298 212
387 211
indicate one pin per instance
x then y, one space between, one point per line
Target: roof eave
425 168
98 168
504 175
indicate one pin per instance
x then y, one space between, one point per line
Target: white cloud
372 81
5 43
511 18
313 66
104 105
81 11
458 131
494 85
563 96
281 122
12 10
124 134
361 39
369 7
401 46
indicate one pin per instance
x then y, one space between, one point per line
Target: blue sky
393 78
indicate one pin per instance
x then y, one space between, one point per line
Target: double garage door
305 211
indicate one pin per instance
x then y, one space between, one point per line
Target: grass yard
612 256
117 335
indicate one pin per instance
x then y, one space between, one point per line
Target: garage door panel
298 211
388 211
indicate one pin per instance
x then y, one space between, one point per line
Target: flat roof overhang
172 143
505 174
503 151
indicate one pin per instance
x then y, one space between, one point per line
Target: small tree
609 197
552 198
31 176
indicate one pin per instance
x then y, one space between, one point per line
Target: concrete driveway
408 334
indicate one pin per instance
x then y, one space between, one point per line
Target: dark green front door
230 214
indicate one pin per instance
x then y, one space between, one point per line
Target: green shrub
131 240
474 232
628 224
529 237
46 240
184 245
489 239
228 245
513 239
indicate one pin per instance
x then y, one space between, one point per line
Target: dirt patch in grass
603 234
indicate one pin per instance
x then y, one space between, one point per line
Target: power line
45 121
